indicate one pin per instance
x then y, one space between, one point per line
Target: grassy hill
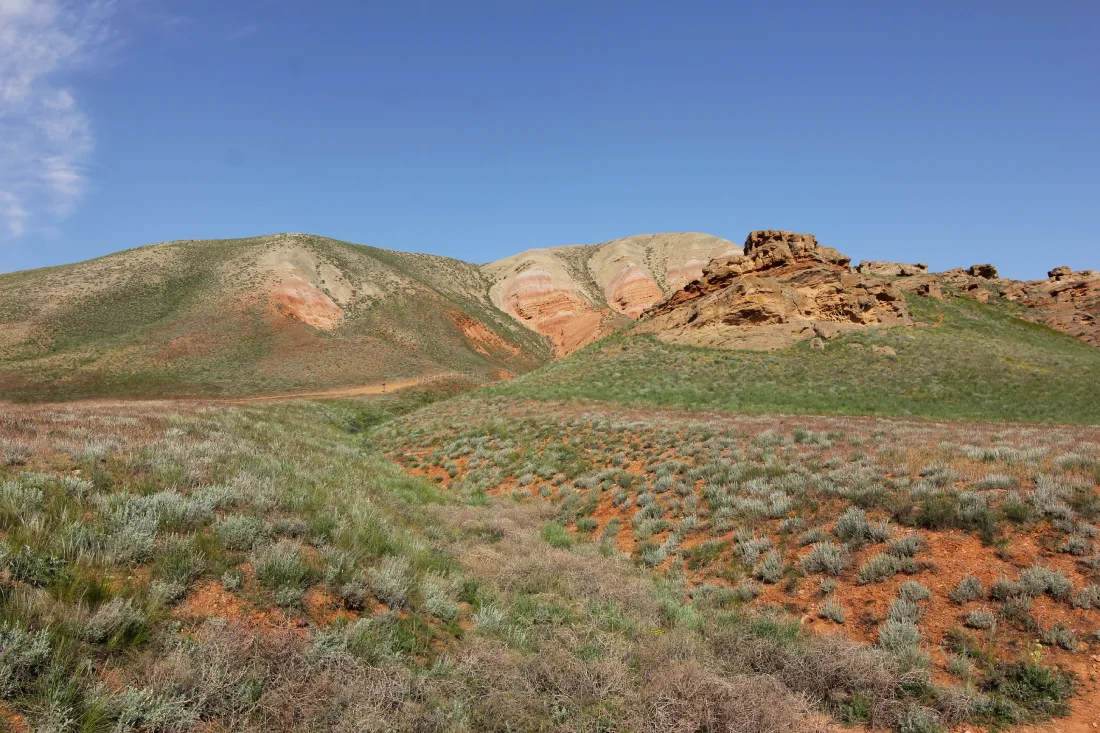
977 361
245 316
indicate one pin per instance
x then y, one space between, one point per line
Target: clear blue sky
942 131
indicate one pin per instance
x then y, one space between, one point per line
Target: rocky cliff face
785 287
577 295
1068 301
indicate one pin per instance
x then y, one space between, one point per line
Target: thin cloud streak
45 138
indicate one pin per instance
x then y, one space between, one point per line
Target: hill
294 312
789 326
579 294
973 360
611 541
245 316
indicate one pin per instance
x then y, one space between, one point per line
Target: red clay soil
211 600
947 557
11 720
481 337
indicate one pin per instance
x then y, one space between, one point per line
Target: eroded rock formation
766 295
577 295
773 295
306 302
987 272
1068 301
547 302
299 281
891 269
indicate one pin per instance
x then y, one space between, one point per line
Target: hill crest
289 311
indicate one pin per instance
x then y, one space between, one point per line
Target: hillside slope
578 294
243 316
968 360
293 312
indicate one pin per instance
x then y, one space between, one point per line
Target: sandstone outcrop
773 295
926 285
299 281
304 301
887 351
1067 301
891 269
770 293
987 272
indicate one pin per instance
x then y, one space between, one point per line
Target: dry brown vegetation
488 563
172 567
870 522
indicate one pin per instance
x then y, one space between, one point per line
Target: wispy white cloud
45 138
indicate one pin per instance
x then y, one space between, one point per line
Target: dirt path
369 389
335 393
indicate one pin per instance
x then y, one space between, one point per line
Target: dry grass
891 507
259 569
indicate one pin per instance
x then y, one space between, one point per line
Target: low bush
883 567
906 546
283 565
981 619
913 591
116 621
832 611
903 610
391 581
1039 691
1077 545
1037 580
770 569
898 636
1061 636
852 525
1017 610
24 656
1087 597
827 558
968 589
241 533
557 536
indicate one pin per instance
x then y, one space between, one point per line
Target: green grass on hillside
193 319
979 362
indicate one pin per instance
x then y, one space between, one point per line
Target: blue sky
944 132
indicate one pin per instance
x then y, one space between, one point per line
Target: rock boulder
891 269
986 272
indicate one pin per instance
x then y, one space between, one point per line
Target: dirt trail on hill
369 389
334 393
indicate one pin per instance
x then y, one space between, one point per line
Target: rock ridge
783 289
